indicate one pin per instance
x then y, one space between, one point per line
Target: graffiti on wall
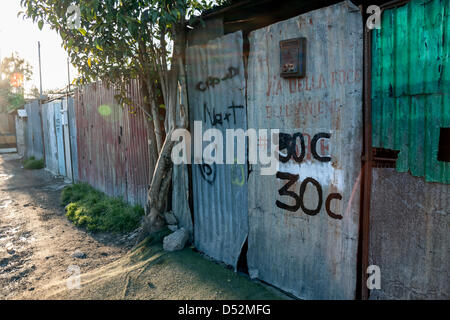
212 81
219 118
297 153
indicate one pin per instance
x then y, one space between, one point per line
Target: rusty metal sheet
216 85
112 143
303 222
409 236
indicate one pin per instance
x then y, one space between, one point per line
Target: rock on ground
78 254
170 218
172 227
176 241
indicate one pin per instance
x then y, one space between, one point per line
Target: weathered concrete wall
410 236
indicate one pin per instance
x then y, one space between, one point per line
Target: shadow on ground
149 272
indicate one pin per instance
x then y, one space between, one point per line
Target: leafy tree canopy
115 39
118 40
13 71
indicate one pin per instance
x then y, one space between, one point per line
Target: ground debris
79 254
170 218
176 241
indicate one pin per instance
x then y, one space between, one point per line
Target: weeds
95 211
32 163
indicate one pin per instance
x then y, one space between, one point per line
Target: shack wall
409 236
411 81
305 242
34 142
51 145
216 87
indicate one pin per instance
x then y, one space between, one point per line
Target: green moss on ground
32 163
95 211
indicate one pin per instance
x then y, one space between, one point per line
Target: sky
22 36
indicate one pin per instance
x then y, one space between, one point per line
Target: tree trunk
162 177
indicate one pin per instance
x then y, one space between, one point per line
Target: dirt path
37 246
36 239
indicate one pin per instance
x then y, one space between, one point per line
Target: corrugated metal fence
34 143
53 137
303 222
59 131
72 128
216 87
411 85
303 241
112 143
409 216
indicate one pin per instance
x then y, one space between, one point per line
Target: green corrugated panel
411 85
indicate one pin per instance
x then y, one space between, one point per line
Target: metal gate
216 85
52 121
303 221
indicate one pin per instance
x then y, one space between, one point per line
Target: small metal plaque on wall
293 58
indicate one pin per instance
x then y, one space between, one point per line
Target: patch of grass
95 211
32 163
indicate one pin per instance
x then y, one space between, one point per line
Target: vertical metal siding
73 137
220 204
59 137
50 141
20 133
57 155
112 143
310 256
66 136
34 143
411 81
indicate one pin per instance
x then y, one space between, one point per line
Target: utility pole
40 71
68 120
68 75
40 101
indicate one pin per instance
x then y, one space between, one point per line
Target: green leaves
82 31
13 68
118 39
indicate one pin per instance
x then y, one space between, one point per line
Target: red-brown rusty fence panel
112 142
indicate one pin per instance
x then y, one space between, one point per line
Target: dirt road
38 260
36 239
